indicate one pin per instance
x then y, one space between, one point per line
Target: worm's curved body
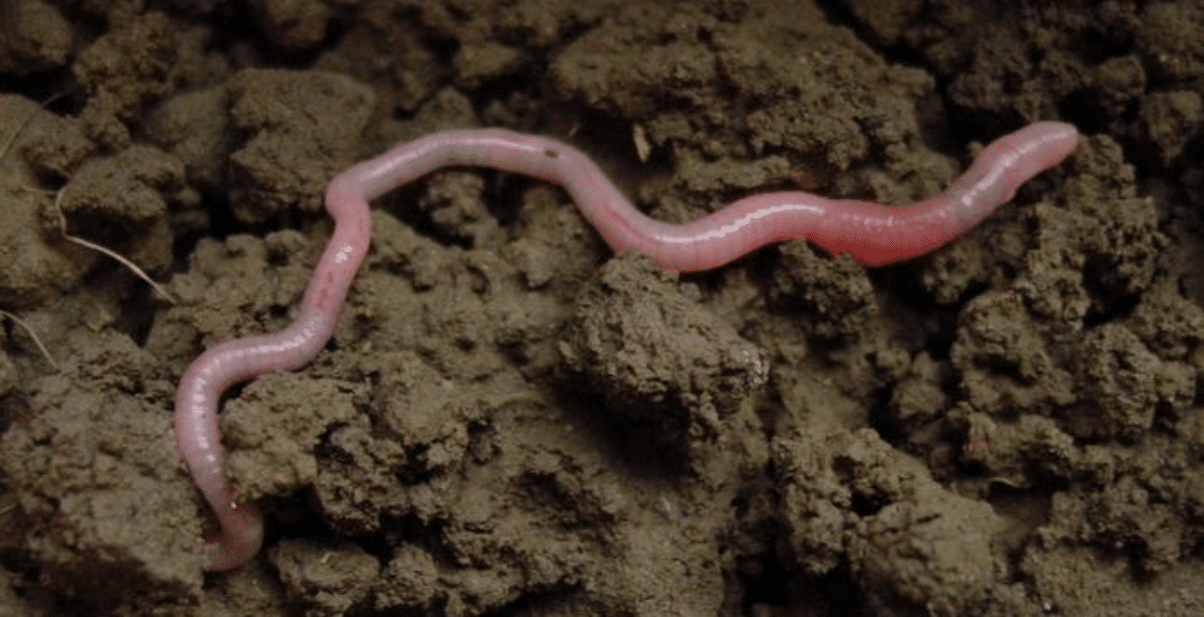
874 234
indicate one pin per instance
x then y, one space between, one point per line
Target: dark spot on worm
551 153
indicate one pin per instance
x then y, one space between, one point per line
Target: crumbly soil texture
509 420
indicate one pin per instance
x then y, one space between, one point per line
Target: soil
510 421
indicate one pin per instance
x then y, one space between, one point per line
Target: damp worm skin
872 233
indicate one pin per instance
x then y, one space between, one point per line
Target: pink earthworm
874 234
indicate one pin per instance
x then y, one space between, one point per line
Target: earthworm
874 234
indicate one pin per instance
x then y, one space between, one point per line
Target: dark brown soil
509 421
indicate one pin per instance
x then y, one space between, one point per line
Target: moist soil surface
510 420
